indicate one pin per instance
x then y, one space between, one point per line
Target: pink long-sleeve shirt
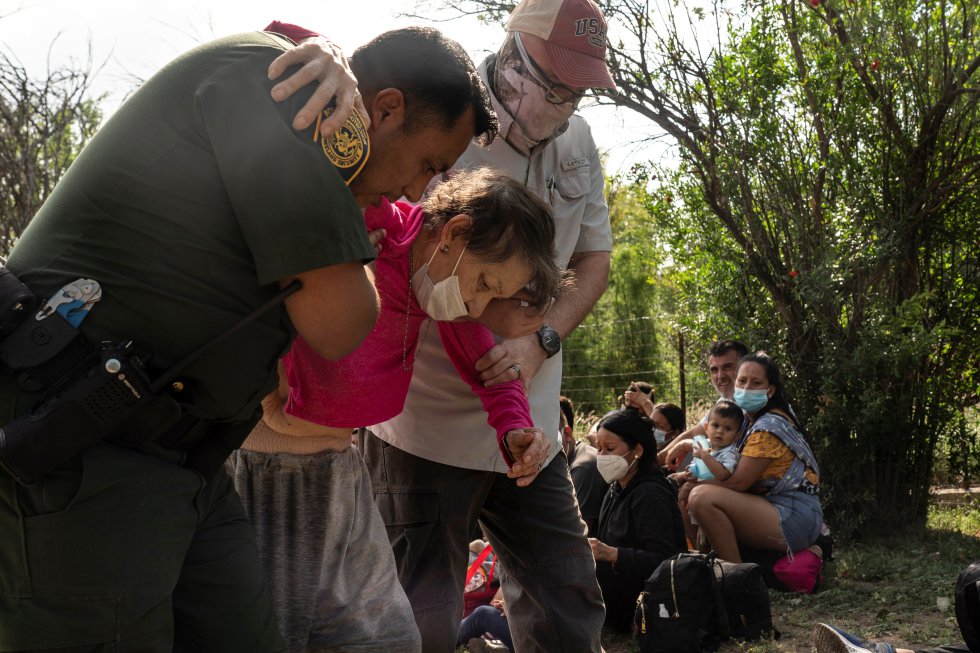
369 385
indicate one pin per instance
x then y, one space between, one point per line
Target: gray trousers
324 551
432 511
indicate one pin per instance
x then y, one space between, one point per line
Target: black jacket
644 522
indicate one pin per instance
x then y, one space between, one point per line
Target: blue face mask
661 436
751 400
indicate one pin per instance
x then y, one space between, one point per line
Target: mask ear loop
455 267
630 466
433 257
453 273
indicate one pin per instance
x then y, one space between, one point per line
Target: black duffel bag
694 601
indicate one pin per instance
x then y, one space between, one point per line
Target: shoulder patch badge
349 148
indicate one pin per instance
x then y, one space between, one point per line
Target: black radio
83 413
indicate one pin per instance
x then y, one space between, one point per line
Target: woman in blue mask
771 500
640 524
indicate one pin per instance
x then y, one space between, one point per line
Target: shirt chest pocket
571 186
569 195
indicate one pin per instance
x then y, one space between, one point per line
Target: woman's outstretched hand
529 447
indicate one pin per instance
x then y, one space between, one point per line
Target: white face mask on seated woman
612 467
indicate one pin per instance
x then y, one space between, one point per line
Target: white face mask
441 301
613 468
661 436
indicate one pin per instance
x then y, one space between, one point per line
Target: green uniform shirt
189 205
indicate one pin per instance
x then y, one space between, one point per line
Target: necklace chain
408 306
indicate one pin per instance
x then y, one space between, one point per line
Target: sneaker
830 639
481 645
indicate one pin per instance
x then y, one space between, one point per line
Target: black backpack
746 598
693 601
678 610
967 602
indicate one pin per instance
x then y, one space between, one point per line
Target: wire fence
601 359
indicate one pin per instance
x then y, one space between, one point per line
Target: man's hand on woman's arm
591 275
324 63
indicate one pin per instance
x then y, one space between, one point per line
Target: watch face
550 340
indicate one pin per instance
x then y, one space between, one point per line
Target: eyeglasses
553 93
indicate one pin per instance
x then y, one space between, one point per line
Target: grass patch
884 589
963 519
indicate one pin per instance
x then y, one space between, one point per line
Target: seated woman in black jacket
640 524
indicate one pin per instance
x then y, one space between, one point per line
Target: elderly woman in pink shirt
478 237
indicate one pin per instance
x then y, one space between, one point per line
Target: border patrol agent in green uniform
193 206
190 208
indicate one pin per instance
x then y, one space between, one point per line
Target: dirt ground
955 496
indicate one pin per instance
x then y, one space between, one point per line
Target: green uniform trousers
118 550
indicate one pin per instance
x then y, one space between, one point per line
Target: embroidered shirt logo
578 162
349 148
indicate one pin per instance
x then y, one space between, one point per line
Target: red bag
480 586
799 572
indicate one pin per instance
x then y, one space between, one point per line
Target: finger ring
517 369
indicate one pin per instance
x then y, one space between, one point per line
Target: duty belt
90 394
